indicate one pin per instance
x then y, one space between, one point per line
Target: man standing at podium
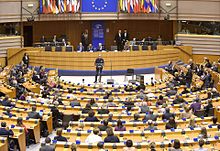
99 64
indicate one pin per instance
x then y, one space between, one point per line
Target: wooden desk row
143 136
183 123
31 124
188 145
47 117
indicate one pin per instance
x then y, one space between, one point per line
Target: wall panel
73 29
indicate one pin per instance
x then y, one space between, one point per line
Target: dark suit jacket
4 132
91 119
167 116
118 38
78 48
60 138
125 37
47 148
34 115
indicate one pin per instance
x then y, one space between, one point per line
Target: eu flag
99 6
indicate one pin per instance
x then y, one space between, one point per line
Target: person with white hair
100 47
99 64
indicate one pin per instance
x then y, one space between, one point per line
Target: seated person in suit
110 102
129 146
7 102
150 116
100 47
93 103
171 124
8 112
82 88
201 143
86 109
43 39
110 118
59 136
100 146
91 117
47 146
176 146
33 114
129 88
203 133
111 138
136 118
103 109
178 100
120 126
4 131
128 102
75 102
104 126
150 126
80 47
133 42
90 48
100 89
208 107
94 137
167 114
187 114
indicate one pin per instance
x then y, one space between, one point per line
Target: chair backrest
135 48
144 47
48 48
58 48
69 49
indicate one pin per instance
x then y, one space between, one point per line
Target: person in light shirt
94 137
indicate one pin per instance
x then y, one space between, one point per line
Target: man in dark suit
119 40
4 131
80 47
100 47
33 114
47 146
43 39
26 59
167 114
150 116
125 36
104 126
85 39
99 64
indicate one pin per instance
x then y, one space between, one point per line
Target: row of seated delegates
55 40
149 39
90 48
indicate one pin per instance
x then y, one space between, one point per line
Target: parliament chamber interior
109 75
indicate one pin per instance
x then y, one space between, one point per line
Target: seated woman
171 123
192 123
129 146
20 124
120 126
111 138
59 136
91 117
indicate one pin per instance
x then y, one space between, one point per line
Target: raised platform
74 63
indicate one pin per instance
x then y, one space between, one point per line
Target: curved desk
84 61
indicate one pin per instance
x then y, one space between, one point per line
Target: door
28 36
